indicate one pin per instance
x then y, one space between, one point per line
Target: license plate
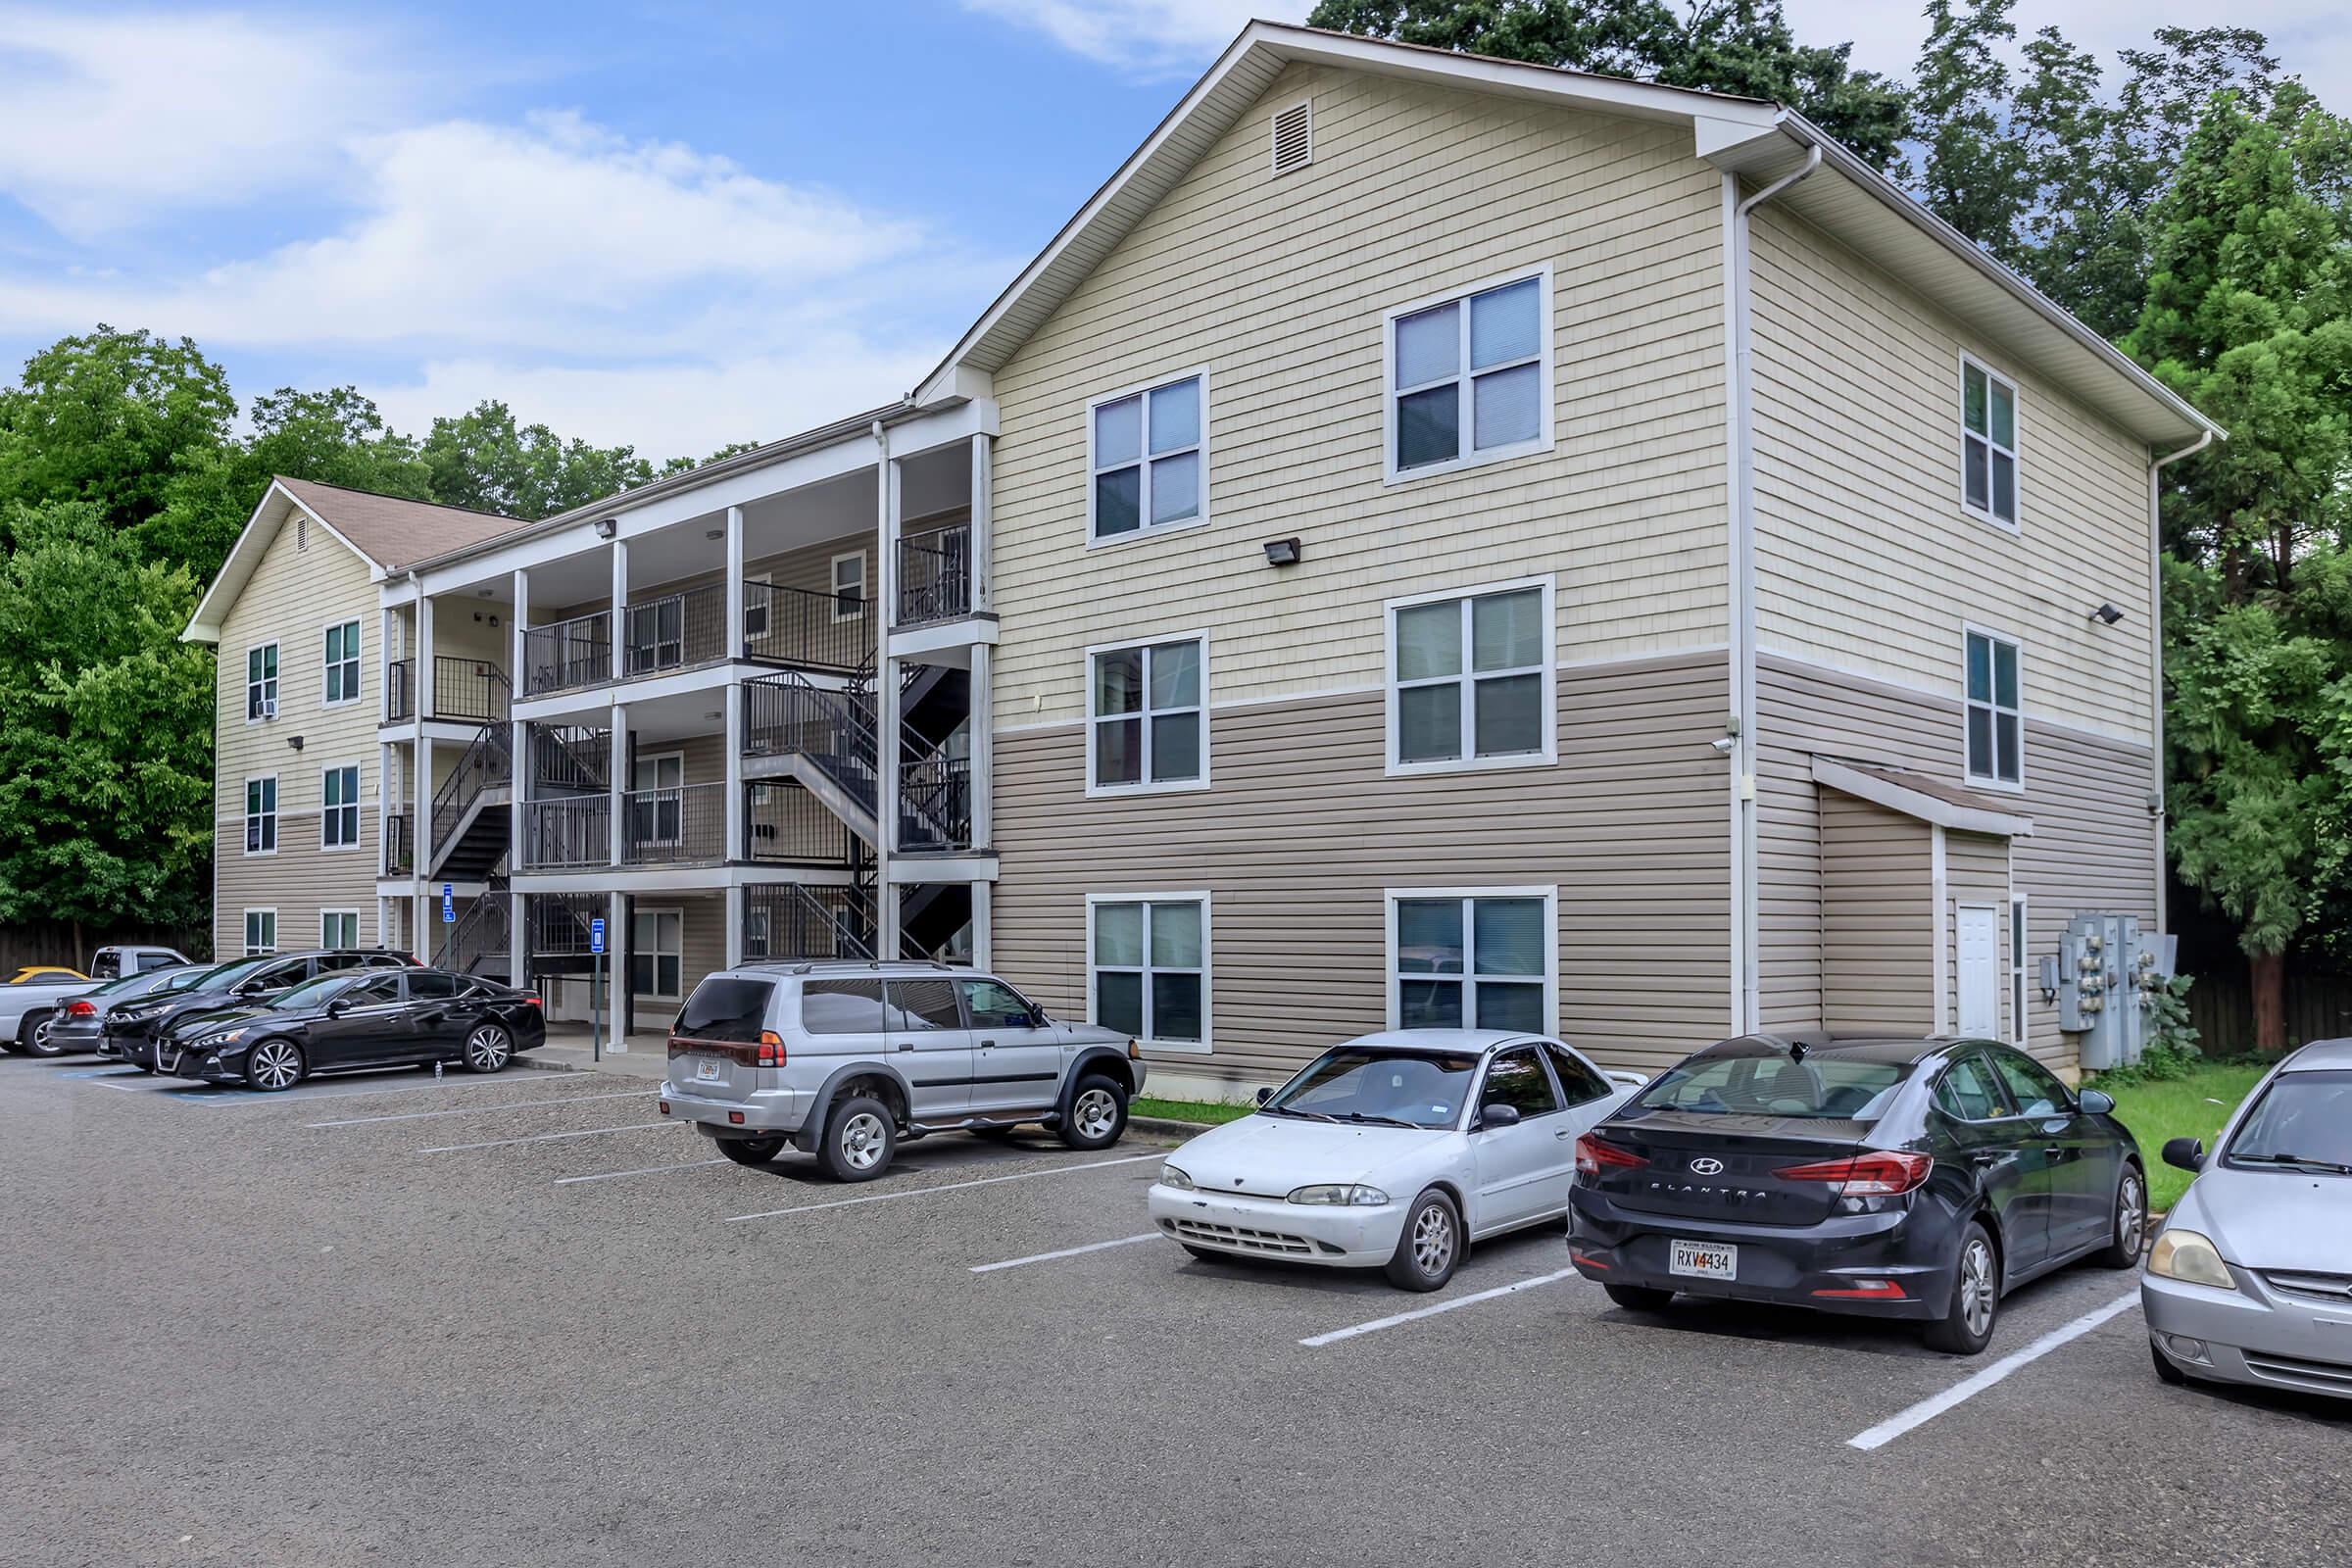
710 1070
1704 1260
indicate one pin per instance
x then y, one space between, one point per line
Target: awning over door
1928 799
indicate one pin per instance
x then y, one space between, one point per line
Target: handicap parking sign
596 936
449 906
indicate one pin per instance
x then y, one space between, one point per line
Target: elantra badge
1706 1167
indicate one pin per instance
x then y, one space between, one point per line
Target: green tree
484 461
1734 46
110 418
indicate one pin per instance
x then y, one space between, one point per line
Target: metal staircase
480 943
470 827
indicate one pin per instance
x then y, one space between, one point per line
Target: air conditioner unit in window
269 707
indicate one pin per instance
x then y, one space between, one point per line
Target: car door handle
1564 1131
906 1044
1989 1156
985 1044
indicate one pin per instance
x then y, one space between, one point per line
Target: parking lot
522 1319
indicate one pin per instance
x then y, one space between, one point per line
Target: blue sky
675 224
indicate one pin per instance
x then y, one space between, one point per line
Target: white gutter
2156 648
1739 462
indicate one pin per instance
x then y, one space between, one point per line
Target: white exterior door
1980 943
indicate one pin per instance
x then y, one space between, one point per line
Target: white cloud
106 122
1149 37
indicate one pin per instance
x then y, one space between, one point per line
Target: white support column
1940 884
616 966
387 803
734 898
983 524
983 746
618 765
421 834
424 656
735 587
519 769
738 847
886 696
387 631
620 600
983 920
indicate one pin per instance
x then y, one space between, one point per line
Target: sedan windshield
187 979
230 974
2303 1121
314 992
1825 1086
1380 1086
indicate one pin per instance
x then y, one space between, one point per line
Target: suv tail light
1880 1173
772 1050
1591 1154
80 1010
768 1053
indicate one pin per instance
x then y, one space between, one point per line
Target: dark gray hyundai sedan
1912 1179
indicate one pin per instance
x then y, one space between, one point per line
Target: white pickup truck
26 1006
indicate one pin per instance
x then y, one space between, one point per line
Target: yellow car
36 973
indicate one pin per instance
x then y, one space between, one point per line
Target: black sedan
80 1025
132 1030
374 1019
1915 1179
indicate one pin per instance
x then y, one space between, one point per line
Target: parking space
524 1317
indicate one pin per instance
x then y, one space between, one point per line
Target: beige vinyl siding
1277 289
304 581
1865 557
1976 871
1877 919
1300 833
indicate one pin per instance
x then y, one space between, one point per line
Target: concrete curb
1169 1125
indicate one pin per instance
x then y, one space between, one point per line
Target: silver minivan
846 1060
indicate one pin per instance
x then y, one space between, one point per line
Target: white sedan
1394 1149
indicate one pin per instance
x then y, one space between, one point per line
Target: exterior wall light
606 527
2107 615
1282 552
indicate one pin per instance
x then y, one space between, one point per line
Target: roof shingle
391 530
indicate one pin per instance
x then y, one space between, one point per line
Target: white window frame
276 808
327 812
1145 785
251 950
324 916
267 686
1200 896
654 912
1146 529
657 758
1968 772
1549 893
2020 939
754 604
2015 449
1468 762
1467 456
833 577
351 659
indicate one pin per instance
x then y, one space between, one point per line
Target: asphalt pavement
522 1320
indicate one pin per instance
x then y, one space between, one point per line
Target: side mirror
1494 1114
2188 1154
2095 1102
1264 1094
338 1008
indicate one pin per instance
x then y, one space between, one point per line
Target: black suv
130 1031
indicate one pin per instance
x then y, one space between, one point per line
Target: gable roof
1747 136
386 532
1916 795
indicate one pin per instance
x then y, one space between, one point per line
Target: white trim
275 682
1999 914
359 786
237 569
325 916
2020 938
833 581
1145 784
1868 786
1545 668
277 801
1968 773
351 657
245 933
654 951
2015 449
1144 527
1200 896
1466 455
1549 893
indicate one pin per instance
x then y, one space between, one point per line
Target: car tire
1098 1115
2165 1372
1975 1308
2131 1223
860 1136
275 1065
1430 1246
1640 1297
33 1036
752 1150
488 1048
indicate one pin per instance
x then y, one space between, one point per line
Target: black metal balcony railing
567 831
399 690
816 631
400 844
570 759
789 920
935 575
783 824
675 630
486 763
558 923
568 653
680 824
469 690
935 802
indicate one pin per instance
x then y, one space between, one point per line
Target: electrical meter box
2105 970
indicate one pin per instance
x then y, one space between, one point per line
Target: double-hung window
1470 680
849 585
1147 965
1988 445
261 815
1470 378
1147 726
261 932
260 682
1147 455
1472 959
1996 733
338 928
339 809
343 662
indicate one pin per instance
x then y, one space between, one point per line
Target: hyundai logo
1706 1167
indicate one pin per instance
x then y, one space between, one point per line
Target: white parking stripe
547 1138
301 1093
1068 1252
1930 1408
647 1170
946 1187
1389 1322
477 1111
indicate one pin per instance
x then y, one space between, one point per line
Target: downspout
1746 982
2156 651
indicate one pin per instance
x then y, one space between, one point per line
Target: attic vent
1294 136
301 534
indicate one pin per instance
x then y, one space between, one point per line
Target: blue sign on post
449 906
596 936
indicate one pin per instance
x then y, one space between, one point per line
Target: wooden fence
2318 1006
52 942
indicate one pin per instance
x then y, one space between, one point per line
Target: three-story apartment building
1434 540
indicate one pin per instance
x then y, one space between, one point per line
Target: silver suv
846 1060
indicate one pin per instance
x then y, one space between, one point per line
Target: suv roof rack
854 966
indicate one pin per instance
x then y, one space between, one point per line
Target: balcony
675 631
683 826
399 690
832 632
934 576
568 655
567 830
786 825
